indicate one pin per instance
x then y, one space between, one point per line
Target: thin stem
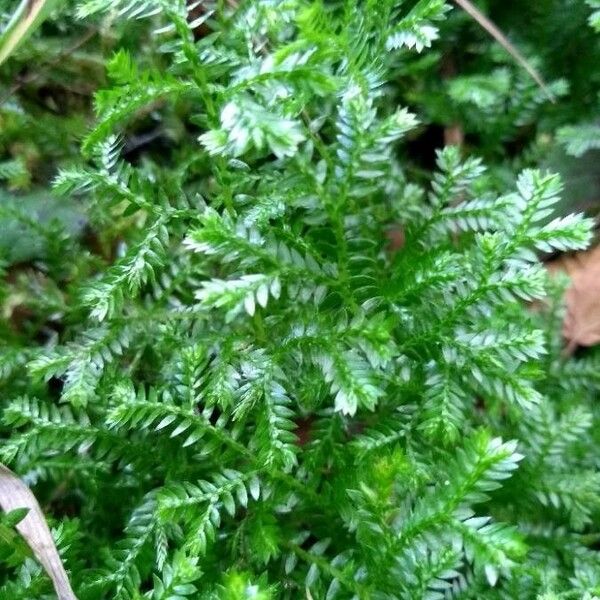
357 588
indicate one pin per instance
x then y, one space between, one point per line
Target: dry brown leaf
34 529
581 326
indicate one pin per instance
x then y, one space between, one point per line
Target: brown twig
89 34
474 12
454 134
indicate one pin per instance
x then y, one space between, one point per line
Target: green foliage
220 378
